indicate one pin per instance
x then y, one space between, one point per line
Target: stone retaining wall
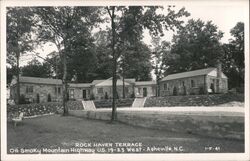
107 103
193 100
218 126
41 108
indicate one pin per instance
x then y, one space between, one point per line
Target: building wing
189 74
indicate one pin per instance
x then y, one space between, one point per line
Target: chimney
219 70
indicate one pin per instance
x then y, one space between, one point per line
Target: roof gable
109 82
214 74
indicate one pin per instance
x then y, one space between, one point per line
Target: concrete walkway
228 111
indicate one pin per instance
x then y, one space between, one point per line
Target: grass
58 131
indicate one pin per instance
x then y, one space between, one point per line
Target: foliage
19 29
201 90
49 98
66 27
22 99
233 59
195 46
132 23
92 96
175 91
19 37
160 49
37 98
103 68
36 69
132 95
106 96
11 71
139 67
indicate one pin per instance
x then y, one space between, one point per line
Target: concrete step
88 105
139 102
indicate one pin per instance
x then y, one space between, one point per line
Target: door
145 93
84 93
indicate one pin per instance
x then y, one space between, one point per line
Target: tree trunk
18 79
64 81
123 85
114 112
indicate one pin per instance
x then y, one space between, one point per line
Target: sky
225 17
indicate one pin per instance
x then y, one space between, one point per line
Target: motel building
203 81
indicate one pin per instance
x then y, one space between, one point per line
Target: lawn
66 132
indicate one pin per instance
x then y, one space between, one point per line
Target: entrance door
84 93
145 93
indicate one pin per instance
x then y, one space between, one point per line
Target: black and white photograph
128 80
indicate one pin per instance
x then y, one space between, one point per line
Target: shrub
106 96
49 98
67 99
240 89
92 96
184 91
175 91
22 99
132 95
37 98
201 90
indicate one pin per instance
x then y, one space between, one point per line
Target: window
183 83
100 90
165 86
57 90
29 89
139 90
192 83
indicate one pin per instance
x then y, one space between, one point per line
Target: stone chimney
219 69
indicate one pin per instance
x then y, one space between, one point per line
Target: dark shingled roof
24 79
80 85
188 74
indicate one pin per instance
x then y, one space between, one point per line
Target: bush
175 91
92 96
106 96
37 98
67 99
201 90
22 100
49 98
240 89
184 91
132 95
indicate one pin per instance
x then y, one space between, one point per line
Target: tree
195 46
19 39
160 49
37 69
62 26
127 31
103 68
133 22
233 59
111 12
82 62
11 71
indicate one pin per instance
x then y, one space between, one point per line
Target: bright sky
224 16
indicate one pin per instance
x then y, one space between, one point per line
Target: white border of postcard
190 156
